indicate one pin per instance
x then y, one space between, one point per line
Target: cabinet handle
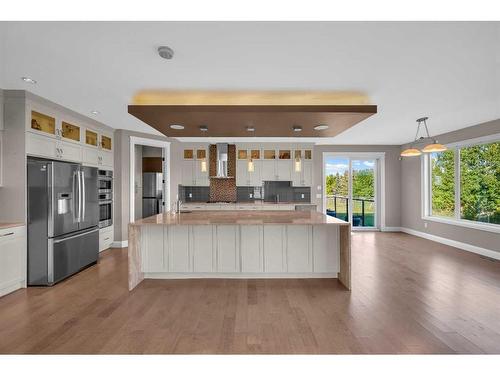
7 234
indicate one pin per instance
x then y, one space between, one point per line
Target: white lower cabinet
251 248
274 251
203 248
105 238
177 243
298 244
324 246
12 259
154 256
227 248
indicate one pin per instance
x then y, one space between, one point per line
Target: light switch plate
318 196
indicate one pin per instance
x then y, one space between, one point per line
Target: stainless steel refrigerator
152 194
63 220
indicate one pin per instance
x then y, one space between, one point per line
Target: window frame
426 179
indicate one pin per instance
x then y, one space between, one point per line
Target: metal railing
363 216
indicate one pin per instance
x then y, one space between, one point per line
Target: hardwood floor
409 295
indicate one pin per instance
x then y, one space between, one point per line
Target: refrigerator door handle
59 240
79 196
76 202
83 195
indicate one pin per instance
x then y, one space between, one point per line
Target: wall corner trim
460 245
119 244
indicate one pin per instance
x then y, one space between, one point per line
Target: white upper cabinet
54 135
195 167
242 178
268 170
284 170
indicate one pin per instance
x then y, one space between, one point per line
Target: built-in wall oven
105 183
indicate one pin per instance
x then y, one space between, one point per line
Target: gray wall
392 177
411 213
13 191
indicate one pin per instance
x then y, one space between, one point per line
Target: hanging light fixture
204 165
298 160
435 146
251 166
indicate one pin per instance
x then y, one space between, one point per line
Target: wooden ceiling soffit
272 114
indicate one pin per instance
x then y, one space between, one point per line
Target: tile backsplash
268 192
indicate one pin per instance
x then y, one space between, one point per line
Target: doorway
352 186
149 177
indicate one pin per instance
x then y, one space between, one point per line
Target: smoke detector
165 52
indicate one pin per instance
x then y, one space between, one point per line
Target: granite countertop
10 225
241 218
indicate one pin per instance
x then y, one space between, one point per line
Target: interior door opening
350 187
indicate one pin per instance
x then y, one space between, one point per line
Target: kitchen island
239 244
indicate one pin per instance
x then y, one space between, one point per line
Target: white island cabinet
235 244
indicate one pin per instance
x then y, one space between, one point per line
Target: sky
340 165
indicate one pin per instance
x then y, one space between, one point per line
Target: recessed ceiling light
203 128
28 80
165 52
177 127
321 127
250 129
94 112
297 128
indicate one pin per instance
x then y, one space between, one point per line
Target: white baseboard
460 245
119 243
391 229
239 275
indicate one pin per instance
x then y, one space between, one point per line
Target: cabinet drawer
105 238
11 232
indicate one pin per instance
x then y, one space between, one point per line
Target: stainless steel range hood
222 160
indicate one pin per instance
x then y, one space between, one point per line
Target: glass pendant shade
411 152
298 165
251 166
434 147
203 165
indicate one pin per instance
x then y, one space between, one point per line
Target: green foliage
443 183
479 183
337 184
362 184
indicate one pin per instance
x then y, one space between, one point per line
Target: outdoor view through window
478 188
339 203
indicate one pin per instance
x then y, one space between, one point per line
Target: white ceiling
447 71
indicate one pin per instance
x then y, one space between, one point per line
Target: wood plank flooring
409 295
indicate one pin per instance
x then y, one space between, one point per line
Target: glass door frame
379 188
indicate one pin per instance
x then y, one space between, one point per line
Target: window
464 184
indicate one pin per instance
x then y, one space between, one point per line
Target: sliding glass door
350 187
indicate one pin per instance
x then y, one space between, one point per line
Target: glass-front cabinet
106 142
43 123
90 138
70 131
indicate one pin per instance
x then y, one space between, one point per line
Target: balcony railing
363 210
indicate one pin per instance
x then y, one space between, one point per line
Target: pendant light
204 165
435 146
251 166
297 158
